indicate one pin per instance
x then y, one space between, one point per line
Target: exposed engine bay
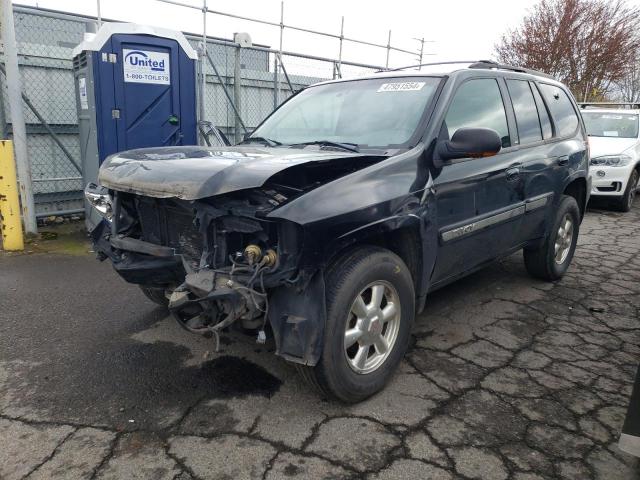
229 254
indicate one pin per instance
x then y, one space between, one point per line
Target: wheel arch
403 235
577 189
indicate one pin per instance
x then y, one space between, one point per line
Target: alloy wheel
372 327
564 239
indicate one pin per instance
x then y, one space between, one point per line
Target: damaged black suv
328 226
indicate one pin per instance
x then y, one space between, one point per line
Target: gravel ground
507 378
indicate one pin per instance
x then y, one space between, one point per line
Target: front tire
626 202
551 260
370 310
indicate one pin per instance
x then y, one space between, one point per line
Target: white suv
615 154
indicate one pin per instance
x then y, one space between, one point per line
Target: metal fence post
275 81
203 74
99 13
281 24
237 93
14 90
340 51
4 132
227 94
286 75
200 92
388 50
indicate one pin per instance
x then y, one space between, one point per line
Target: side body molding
486 221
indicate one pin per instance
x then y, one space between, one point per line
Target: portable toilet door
147 93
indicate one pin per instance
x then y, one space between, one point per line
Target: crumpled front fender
298 317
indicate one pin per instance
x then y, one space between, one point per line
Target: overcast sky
460 29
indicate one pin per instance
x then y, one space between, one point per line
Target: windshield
621 125
382 113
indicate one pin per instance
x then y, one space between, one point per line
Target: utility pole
19 129
421 54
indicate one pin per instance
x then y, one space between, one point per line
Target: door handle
563 161
513 174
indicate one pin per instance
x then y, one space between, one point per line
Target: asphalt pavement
507 378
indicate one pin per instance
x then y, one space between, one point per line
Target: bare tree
628 88
587 44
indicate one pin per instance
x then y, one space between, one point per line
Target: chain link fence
44 46
266 79
242 86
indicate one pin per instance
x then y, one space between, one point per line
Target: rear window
621 125
524 106
545 121
561 107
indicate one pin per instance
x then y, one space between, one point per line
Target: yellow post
12 238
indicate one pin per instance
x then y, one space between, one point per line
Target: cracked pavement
507 378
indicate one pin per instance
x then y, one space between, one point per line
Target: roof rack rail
426 65
502 66
476 64
630 105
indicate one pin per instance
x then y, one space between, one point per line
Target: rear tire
370 310
626 202
156 295
551 260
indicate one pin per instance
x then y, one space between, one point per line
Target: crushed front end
217 258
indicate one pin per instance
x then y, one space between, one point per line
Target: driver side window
478 104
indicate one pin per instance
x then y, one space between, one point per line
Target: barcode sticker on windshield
401 87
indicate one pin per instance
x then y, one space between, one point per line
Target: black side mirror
470 142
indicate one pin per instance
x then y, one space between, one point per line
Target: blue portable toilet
135 88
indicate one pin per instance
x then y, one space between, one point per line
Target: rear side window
524 106
561 109
478 103
545 121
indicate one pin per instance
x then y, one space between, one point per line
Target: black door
536 156
480 202
550 147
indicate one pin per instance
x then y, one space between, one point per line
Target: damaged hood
191 173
